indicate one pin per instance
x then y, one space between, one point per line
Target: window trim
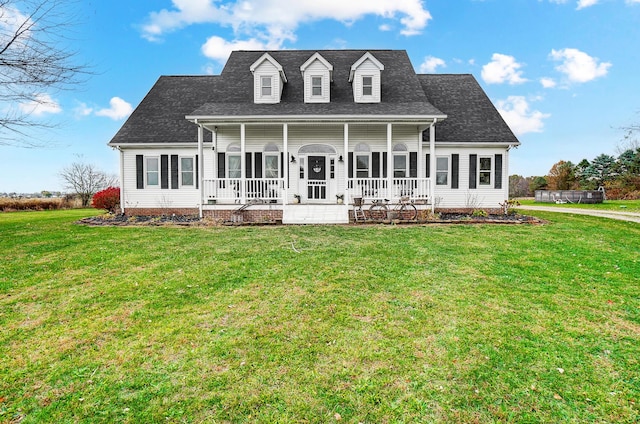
405 155
313 86
263 86
447 171
367 155
147 171
228 167
489 171
370 86
181 171
265 156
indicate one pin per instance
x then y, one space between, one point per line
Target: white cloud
548 82
118 109
42 104
274 21
633 1
501 69
430 64
579 66
586 3
516 112
83 110
385 27
219 49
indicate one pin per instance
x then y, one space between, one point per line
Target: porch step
315 214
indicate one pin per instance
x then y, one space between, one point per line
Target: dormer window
265 86
268 80
316 86
367 86
365 78
317 74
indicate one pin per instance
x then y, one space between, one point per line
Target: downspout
121 180
200 167
432 162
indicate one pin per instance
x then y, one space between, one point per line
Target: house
296 135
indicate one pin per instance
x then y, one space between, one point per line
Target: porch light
293 159
340 158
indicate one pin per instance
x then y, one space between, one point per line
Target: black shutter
413 164
384 165
174 172
428 164
282 166
350 165
247 165
498 172
164 171
455 170
197 173
375 165
139 171
221 164
258 165
473 166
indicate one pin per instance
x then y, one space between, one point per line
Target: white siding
156 197
464 197
266 68
317 68
366 68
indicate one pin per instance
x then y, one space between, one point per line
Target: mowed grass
358 324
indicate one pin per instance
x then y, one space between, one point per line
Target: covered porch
313 168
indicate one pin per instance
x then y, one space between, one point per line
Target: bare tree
85 180
35 62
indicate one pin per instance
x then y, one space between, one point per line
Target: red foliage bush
108 199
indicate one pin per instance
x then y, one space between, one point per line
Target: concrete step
315 214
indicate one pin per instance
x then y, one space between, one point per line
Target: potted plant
340 198
296 198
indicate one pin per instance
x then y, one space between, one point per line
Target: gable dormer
317 75
365 79
268 80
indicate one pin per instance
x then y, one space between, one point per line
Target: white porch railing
233 190
378 188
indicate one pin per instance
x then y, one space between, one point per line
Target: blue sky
565 74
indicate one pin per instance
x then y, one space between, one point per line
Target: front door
316 177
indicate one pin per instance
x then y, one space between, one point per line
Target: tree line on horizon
619 176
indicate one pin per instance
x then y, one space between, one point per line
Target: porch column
389 161
420 165
347 196
432 164
122 194
243 172
200 168
285 165
214 141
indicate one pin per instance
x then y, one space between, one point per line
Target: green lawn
613 205
370 324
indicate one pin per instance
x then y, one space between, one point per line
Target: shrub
108 199
477 213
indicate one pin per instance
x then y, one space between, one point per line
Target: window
153 174
442 170
485 171
233 161
362 166
362 155
186 171
400 161
400 166
367 86
265 86
271 161
316 86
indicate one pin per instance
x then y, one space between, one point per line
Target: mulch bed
194 221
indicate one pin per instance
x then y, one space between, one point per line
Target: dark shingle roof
401 93
471 116
160 117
